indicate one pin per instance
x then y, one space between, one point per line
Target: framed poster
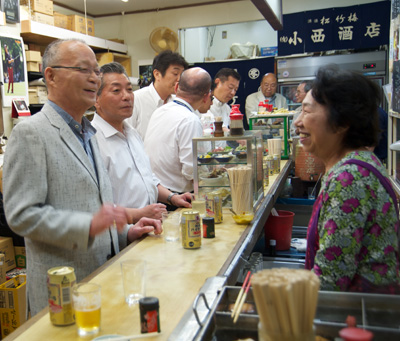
15 79
11 9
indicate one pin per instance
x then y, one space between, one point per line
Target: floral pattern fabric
357 228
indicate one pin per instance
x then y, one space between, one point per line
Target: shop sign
353 27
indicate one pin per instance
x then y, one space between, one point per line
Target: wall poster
11 9
13 70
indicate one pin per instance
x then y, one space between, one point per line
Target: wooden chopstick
239 309
240 294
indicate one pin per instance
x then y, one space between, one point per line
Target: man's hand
144 225
109 215
182 200
154 211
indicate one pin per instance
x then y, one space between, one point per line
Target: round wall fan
163 38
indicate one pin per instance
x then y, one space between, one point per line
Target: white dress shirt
220 109
146 101
168 143
133 183
255 98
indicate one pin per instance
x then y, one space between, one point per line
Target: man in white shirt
167 68
168 140
133 183
226 83
268 87
301 93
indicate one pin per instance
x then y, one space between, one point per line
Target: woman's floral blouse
356 226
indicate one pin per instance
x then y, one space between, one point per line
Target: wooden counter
174 275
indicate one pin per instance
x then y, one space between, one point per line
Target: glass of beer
87 304
199 204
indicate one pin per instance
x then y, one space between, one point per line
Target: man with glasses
267 91
57 193
168 140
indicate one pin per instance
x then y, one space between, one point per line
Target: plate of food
223 158
221 150
241 152
211 181
206 158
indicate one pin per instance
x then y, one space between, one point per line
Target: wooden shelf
42 34
108 57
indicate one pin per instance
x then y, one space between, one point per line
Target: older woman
353 242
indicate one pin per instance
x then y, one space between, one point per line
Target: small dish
241 154
244 218
204 159
223 158
211 181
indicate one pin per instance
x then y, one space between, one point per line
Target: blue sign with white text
353 27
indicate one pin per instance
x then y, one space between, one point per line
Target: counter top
174 275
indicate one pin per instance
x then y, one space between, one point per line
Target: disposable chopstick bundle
274 146
286 300
240 180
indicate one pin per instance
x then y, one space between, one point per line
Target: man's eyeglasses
83 70
272 86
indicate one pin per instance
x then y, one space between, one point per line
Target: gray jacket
50 194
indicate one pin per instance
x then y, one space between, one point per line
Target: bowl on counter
223 158
205 158
241 154
243 218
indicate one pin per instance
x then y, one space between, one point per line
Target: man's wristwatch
170 197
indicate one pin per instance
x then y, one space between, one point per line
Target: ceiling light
124 0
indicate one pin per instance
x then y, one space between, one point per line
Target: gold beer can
214 206
191 229
59 285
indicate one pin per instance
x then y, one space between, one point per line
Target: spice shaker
236 124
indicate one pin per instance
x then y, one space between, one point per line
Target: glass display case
269 129
214 156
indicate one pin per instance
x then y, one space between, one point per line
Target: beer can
208 227
191 229
271 165
60 281
277 164
214 206
266 174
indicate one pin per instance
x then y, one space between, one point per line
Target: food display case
212 156
261 122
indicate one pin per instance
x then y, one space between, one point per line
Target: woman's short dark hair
352 101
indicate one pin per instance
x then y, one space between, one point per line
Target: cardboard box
43 18
78 24
33 56
7 247
42 6
20 256
37 95
2 268
33 66
12 304
60 20
33 47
